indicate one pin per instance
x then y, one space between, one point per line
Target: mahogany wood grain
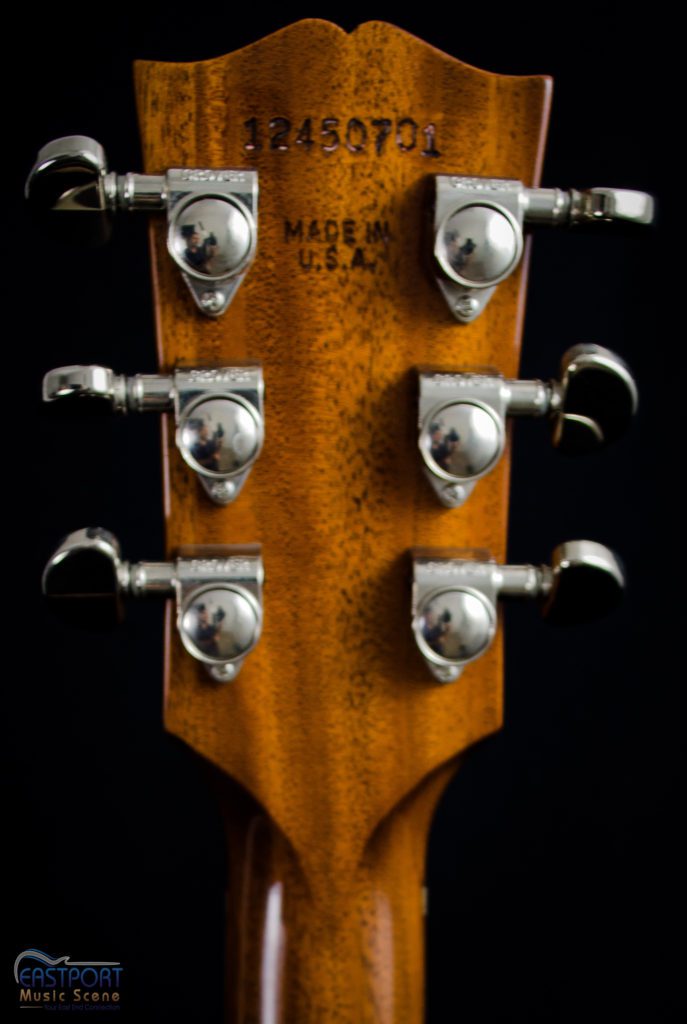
334 731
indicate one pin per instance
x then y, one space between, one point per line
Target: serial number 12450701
331 133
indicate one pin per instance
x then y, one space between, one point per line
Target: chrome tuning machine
218 593
462 416
479 223
211 213
219 413
455 596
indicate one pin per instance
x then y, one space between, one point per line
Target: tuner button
68 386
70 174
478 245
587 582
87 565
598 399
612 204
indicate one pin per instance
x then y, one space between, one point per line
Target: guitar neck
340 946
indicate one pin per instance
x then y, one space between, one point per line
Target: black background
556 859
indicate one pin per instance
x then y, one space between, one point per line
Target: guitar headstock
334 720
345 132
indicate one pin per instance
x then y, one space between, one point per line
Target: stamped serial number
357 135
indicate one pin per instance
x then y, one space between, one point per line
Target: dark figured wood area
334 733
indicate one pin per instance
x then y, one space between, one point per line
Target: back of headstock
334 726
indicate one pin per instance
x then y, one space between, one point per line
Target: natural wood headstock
333 727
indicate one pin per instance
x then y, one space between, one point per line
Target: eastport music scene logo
67 985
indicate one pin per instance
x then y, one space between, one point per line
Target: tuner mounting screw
466 307
455 494
212 302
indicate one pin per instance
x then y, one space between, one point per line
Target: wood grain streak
333 726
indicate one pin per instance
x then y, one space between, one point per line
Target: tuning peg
479 223
211 213
218 593
218 412
462 416
455 596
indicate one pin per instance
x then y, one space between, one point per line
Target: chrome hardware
462 416
211 213
478 229
455 595
219 414
218 592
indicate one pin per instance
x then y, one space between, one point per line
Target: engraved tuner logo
63 984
